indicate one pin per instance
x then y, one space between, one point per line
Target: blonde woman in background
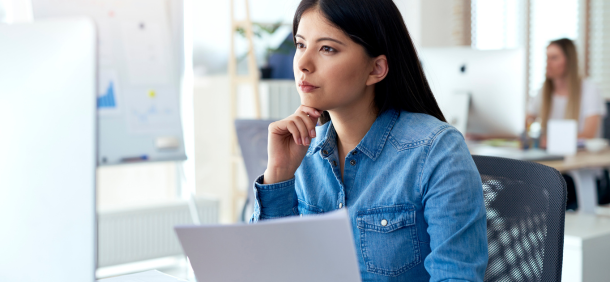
565 95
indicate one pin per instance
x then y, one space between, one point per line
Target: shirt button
352 162
334 163
324 152
384 222
354 152
340 205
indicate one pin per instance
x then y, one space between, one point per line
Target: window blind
599 45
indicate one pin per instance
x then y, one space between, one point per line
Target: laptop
314 248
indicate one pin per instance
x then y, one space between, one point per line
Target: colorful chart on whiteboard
107 93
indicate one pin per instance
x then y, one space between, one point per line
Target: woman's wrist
276 175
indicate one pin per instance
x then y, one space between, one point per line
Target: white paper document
313 248
147 276
562 137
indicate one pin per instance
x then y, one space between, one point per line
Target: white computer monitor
493 79
48 151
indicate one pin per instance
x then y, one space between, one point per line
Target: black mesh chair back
525 204
252 137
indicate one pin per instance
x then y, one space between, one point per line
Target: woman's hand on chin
289 140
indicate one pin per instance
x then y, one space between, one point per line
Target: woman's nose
305 63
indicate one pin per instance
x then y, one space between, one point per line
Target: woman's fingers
309 111
312 115
294 130
310 123
303 130
301 125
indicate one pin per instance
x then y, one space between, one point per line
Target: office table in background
582 160
583 168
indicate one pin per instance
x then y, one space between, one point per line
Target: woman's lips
307 87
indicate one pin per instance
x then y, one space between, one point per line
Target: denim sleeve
274 200
452 196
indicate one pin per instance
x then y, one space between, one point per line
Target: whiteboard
140 67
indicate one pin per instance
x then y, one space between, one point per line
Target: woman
565 95
384 151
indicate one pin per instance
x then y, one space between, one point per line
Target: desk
583 168
582 160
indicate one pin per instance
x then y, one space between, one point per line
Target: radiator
138 234
279 98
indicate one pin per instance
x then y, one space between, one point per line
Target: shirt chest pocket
388 239
304 209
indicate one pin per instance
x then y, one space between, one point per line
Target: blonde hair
574 84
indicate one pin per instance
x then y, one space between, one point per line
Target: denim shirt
412 191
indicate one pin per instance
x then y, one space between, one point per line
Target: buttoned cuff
274 200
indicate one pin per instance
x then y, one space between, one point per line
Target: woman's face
331 71
555 62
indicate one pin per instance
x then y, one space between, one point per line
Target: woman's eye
299 45
327 49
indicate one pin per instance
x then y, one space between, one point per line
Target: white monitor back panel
494 80
48 151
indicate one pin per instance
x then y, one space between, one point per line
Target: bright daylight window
500 24
3 15
497 24
549 20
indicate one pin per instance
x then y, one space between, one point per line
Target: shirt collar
371 145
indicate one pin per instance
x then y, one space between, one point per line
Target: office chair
525 204
252 136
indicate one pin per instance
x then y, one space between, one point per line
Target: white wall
437 20
411 14
213 140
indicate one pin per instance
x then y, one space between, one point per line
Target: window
549 20
3 16
497 24
501 24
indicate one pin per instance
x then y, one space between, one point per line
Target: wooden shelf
253 80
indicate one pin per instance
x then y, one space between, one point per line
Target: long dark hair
378 26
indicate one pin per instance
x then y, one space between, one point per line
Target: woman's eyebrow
322 39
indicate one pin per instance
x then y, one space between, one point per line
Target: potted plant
258 29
